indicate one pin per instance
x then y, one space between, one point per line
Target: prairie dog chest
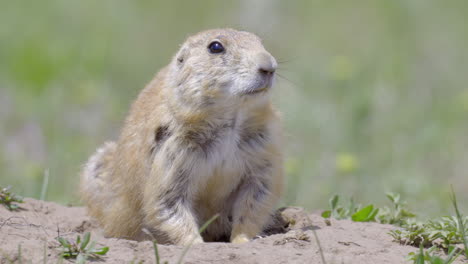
224 167
226 162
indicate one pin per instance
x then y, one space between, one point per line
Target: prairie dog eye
215 47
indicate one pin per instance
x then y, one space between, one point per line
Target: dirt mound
36 226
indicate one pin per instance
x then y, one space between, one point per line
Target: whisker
281 68
286 79
282 61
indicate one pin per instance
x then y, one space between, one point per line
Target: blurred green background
374 94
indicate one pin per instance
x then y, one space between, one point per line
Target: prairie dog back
201 139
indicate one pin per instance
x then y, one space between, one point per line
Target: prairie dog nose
266 63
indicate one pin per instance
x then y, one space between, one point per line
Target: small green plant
81 250
337 211
397 214
443 232
437 234
9 199
429 256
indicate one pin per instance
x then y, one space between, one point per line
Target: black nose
266 71
266 63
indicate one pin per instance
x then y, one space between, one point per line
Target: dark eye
216 47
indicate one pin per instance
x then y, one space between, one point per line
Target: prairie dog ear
181 56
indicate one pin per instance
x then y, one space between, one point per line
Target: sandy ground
37 225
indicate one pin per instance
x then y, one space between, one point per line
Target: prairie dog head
222 65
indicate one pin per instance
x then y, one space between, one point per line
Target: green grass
443 232
429 256
437 234
451 231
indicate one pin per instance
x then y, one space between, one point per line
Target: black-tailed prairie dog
201 139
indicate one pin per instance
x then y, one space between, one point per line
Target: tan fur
202 138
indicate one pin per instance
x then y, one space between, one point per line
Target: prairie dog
202 138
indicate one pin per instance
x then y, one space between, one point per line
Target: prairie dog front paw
240 239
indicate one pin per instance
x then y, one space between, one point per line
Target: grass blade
101 251
460 221
155 246
420 258
81 259
453 255
156 252
319 246
44 260
64 242
45 185
20 257
334 201
204 226
85 241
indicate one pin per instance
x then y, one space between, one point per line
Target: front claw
240 239
190 240
197 240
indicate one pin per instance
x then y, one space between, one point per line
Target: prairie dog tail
95 180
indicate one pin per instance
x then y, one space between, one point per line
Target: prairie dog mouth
257 91
261 85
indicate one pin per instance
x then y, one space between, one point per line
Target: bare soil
37 225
